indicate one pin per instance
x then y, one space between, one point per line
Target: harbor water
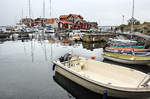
26 69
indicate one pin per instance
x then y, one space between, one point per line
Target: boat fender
53 67
105 94
92 57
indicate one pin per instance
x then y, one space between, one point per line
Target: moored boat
99 77
126 49
76 37
127 46
112 40
130 51
127 58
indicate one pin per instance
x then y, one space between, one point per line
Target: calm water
26 70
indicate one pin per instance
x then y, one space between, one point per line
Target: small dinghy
98 77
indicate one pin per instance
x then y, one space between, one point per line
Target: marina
40 54
27 70
76 49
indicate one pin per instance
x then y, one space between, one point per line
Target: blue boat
127 46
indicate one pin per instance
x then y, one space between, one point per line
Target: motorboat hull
91 85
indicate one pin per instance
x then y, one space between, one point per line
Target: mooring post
105 94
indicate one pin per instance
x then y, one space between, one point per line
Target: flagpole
132 19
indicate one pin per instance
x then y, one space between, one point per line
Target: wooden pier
97 37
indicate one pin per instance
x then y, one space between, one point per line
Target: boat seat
77 67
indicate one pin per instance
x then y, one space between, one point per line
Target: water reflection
77 91
2 40
92 46
25 68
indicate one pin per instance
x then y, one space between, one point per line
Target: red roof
52 20
63 16
66 22
73 15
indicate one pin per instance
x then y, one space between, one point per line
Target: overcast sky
105 12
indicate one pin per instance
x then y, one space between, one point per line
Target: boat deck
109 74
109 80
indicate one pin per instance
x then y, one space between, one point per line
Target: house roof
73 15
51 21
66 22
63 16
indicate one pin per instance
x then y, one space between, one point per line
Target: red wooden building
72 21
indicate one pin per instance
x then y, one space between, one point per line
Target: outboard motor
61 59
67 57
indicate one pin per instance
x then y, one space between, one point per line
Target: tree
135 21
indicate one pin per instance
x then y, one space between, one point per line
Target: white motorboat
98 76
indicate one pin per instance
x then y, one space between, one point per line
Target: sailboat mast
50 7
29 13
132 19
43 8
22 17
123 19
29 9
133 9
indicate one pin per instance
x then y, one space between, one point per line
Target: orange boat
126 49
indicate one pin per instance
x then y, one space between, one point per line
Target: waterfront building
27 21
39 22
53 22
73 21
93 25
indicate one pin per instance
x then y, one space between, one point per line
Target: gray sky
105 12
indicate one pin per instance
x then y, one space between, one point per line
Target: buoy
93 57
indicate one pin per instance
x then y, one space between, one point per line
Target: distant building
73 21
53 22
93 25
27 21
39 21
